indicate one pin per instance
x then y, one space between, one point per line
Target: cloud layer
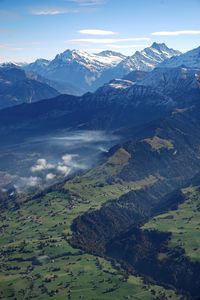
53 11
176 33
97 32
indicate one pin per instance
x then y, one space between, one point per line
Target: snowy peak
157 53
109 53
87 72
74 54
164 50
106 58
42 62
190 59
148 59
161 47
38 66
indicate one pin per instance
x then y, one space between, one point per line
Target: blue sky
30 29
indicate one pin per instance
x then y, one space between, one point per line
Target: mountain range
128 227
118 104
45 79
86 72
75 72
138 208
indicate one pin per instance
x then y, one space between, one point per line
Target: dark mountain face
181 83
16 87
118 104
60 86
136 76
108 111
170 153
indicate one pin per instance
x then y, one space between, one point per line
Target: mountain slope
190 59
121 103
180 83
99 111
169 156
101 212
16 87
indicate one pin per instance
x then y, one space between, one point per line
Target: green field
37 261
184 224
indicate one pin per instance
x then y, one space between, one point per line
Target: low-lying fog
49 159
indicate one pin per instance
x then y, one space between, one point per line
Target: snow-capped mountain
87 72
147 59
38 66
75 68
189 59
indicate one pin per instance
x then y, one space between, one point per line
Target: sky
31 29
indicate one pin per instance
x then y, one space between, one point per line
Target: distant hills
75 72
121 103
17 87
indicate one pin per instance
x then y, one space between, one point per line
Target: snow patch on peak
108 53
120 84
114 86
148 58
189 59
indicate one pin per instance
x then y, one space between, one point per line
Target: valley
99 150
74 238
37 260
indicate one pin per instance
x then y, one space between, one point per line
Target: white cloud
42 165
53 11
50 176
67 158
64 169
106 41
97 32
176 33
